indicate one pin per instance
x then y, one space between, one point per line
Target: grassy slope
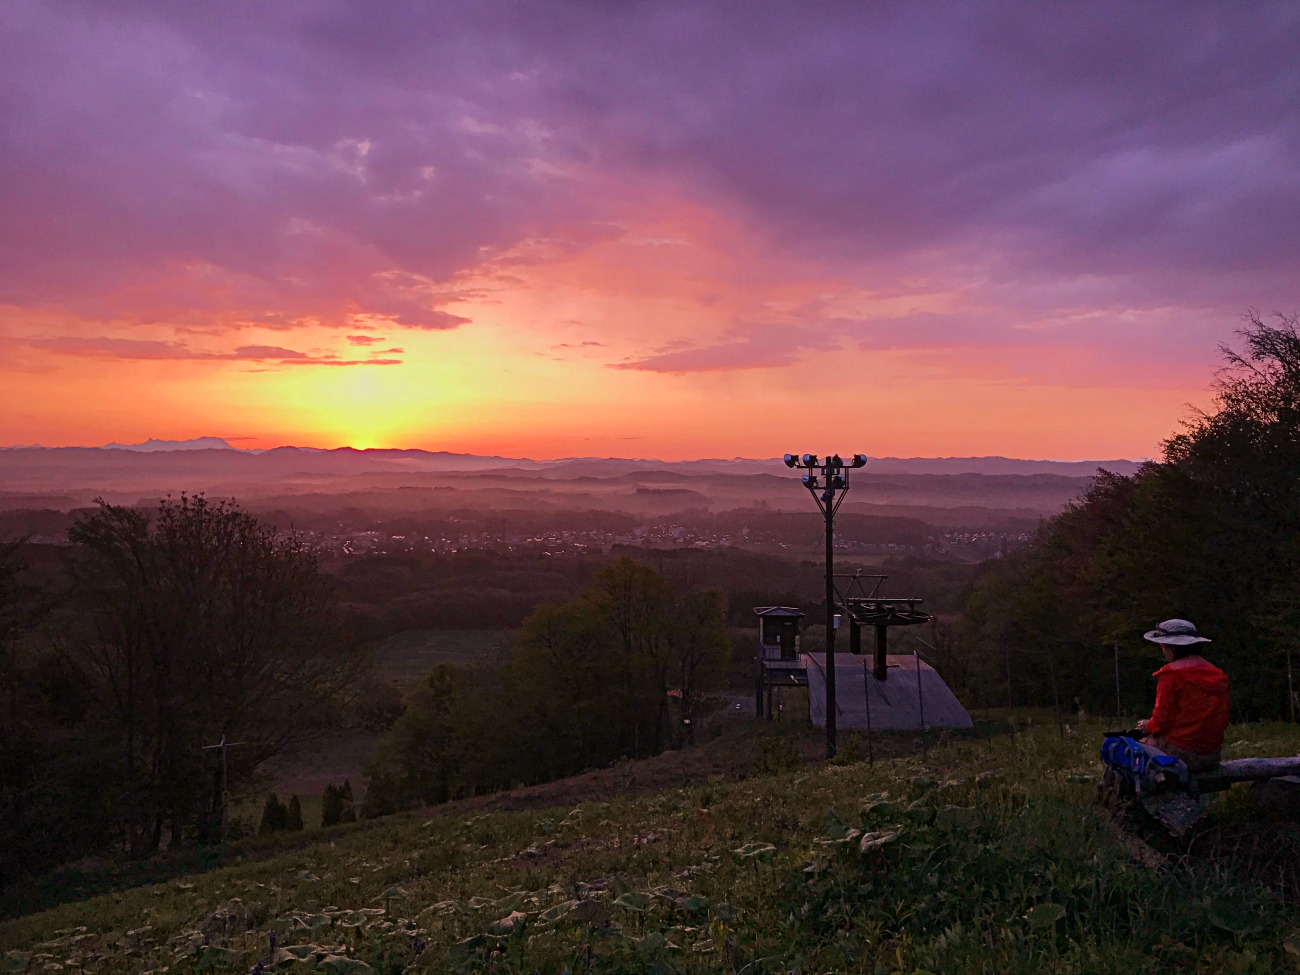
1000 863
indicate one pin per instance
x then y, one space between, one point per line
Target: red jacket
1191 709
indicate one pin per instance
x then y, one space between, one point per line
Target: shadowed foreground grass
982 856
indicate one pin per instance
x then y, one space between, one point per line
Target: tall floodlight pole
828 481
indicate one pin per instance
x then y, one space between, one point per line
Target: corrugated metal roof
897 704
777 611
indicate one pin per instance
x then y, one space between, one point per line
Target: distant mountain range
152 446
968 492
214 455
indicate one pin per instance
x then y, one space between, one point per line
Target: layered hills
68 477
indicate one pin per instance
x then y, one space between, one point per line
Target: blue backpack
1146 770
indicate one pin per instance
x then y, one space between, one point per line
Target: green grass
983 856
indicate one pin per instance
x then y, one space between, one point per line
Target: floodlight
827 482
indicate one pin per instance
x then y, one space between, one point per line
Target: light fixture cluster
829 472
833 462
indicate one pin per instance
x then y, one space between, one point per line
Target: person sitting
1191 710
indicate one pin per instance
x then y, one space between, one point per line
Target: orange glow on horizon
570 356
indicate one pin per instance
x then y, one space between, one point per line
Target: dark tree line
620 670
171 630
1210 533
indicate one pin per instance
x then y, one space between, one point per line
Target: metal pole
835 475
866 692
1290 683
1007 655
920 697
225 793
830 614
1119 709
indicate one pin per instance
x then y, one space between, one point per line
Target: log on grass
1236 770
1258 769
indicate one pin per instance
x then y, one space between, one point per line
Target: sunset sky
639 229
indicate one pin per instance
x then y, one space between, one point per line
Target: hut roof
896 703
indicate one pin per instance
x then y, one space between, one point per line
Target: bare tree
200 622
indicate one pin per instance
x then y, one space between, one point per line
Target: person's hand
1143 724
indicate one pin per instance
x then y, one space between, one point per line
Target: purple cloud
347 163
267 352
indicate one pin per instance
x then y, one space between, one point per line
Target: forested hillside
1210 533
168 633
623 669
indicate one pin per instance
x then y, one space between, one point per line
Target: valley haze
67 477
350 502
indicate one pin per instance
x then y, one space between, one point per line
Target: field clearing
305 771
982 855
406 657
330 759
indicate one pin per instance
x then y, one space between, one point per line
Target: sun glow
664 344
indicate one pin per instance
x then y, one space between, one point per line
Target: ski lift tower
870 609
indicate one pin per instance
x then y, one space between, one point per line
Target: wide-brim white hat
1178 633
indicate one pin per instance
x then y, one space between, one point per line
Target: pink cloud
328 361
714 358
145 349
765 345
1071 188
